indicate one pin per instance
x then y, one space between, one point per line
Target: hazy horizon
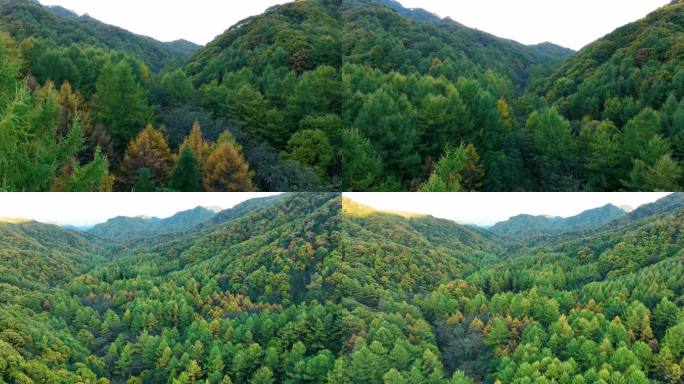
486 209
526 21
89 209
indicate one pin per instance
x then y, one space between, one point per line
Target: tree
187 174
226 170
119 103
554 151
263 375
665 315
144 182
148 150
93 177
249 108
361 166
664 175
457 170
603 164
498 335
311 148
177 87
200 148
32 151
384 119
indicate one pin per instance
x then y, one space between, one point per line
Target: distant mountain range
523 226
124 228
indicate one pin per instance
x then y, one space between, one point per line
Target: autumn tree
225 169
199 146
148 150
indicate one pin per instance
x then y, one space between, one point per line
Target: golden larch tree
148 150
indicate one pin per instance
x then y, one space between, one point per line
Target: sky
486 209
199 21
572 24
86 209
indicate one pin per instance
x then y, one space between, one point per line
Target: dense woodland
311 288
337 95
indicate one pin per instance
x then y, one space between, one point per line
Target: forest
331 95
316 288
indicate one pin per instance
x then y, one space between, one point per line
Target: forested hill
387 36
309 288
126 228
28 18
635 67
35 255
524 226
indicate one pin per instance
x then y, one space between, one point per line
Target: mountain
242 209
388 36
27 18
669 203
184 47
402 254
41 255
526 226
553 50
128 228
634 67
312 287
302 72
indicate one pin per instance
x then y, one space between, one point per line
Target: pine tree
457 170
225 169
120 104
263 375
148 150
92 177
187 174
200 148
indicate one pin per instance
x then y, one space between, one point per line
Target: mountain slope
27 18
634 67
40 255
387 36
526 226
315 288
127 228
299 36
402 255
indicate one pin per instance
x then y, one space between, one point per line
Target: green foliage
455 171
119 103
390 90
187 174
25 19
311 288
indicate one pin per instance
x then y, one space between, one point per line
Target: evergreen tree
120 104
456 171
187 174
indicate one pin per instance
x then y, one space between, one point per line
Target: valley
316 288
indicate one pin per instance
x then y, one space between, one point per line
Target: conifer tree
226 169
200 148
120 104
187 174
148 150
